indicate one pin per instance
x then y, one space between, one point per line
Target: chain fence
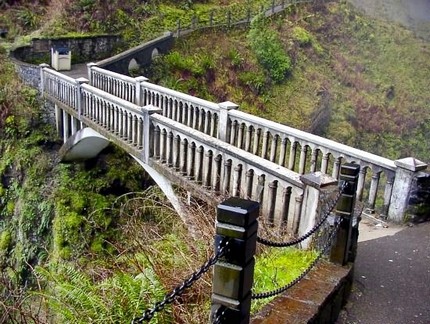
222 249
312 231
169 298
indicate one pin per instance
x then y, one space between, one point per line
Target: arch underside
88 143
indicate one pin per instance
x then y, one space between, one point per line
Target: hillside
353 79
94 241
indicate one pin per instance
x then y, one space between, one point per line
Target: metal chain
149 313
304 273
311 231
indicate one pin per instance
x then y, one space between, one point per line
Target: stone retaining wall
84 49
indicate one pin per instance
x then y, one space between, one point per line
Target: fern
72 297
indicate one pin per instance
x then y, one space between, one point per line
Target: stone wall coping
132 50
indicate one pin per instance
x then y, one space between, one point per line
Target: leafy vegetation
269 50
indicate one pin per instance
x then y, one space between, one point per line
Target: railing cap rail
116 75
59 75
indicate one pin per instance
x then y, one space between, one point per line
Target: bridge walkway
77 71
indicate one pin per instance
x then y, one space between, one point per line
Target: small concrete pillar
140 100
233 274
42 79
318 186
224 123
147 131
90 74
80 95
407 169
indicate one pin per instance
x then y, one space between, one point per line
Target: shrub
302 36
256 81
269 50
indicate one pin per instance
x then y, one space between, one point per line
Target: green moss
5 240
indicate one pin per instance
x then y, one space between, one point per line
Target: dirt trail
413 14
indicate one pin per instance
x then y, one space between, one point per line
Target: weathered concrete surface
83 145
392 279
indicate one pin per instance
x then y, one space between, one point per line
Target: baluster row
183 112
222 175
115 119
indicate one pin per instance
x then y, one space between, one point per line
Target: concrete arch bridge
214 150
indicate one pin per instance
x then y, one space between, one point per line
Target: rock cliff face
413 14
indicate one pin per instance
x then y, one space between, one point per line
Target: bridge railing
119 117
304 152
59 86
283 147
116 84
224 170
194 112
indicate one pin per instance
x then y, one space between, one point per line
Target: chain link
304 273
149 313
312 230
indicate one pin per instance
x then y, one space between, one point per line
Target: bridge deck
77 71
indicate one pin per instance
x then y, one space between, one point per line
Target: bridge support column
66 125
407 169
59 120
319 187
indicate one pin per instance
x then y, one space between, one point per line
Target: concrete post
90 74
318 186
233 275
345 209
140 100
42 79
224 122
80 96
147 131
407 169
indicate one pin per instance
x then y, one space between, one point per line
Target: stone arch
133 66
155 53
